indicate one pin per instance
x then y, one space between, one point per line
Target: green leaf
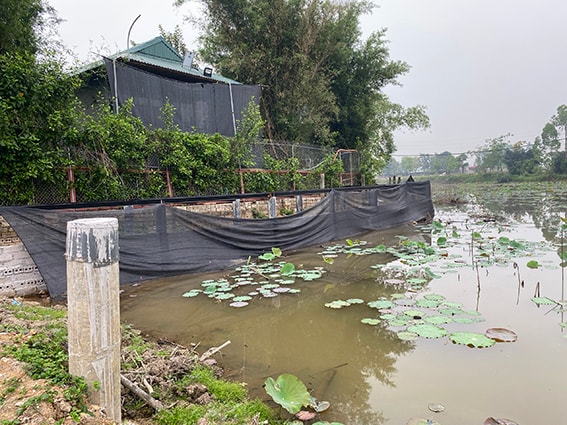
471 339
287 269
533 264
349 242
288 391
277 252
370 321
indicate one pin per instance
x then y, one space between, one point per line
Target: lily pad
471 339
427 330
370 321
288 391
337 304
436 407
380 304
438 320
238 304
355 301
501 335
192 293
407 336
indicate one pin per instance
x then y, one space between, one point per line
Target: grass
41 343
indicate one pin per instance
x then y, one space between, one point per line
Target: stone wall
19 275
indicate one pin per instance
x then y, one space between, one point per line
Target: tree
19 24
521 160
37 122
559 120
174 38
410 164
321 83
491 156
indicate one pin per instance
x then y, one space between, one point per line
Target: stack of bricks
19 276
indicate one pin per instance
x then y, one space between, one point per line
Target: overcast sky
483 68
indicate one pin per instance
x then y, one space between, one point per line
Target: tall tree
20 21
491 156
322 83
559 120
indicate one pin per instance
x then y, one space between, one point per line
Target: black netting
204 108
158 240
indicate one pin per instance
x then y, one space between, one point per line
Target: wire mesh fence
82 184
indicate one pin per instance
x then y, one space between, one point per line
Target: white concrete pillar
94 309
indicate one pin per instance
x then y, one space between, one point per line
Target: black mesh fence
159 240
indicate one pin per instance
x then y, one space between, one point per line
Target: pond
372 325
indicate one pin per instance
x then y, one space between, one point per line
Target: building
153 73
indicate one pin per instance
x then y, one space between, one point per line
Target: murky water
367 373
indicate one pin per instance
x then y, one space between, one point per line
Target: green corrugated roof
158 53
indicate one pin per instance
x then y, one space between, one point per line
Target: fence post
298 203
236 210
322 181
272 207
94 309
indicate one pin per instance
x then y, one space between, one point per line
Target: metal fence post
94 309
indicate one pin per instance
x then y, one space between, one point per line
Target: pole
94 309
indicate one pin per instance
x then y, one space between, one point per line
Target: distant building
153 72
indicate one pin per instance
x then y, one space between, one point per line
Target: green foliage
322 82
19 22
288 391
223 391
45 357
37 116
247 132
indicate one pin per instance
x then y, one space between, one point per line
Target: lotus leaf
426 330
501 335
463 320
450 311
380 304
267 256
563 324
436 407
238 304
242 298
288 391
222 296
438 320
407 336
471 339
405 302
388 316
416 314
281 290
337 304
370 321
287 269
192 293
355 301
211 289
427 303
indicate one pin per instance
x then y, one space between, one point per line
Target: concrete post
298 203
272 207
94 309
322 181
236 209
